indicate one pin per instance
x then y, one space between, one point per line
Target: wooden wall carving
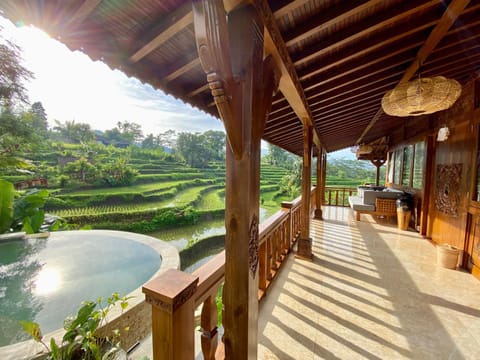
253 246
447 190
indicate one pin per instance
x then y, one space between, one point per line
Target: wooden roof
338 58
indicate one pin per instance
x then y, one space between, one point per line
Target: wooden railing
175 295
338 196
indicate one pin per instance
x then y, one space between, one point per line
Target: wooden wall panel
459 148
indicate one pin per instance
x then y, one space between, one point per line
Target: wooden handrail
277 235
338 196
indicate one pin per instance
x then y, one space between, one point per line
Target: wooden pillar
304 249
318 193
378 164
173 308
324 175
242 83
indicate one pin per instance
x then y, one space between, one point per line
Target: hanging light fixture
421 96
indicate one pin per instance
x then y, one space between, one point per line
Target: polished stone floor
372 292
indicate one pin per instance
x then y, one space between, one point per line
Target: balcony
372 291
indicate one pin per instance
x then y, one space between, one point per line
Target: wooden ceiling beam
272 130
82 12
347 122
198 90
331 109
338 13
290 135
182 70
284 7
352 54
378 63
289 83
279 127
404 39
451 14
448 18
338 95
161 33
362 77
352 34
324 117
279 116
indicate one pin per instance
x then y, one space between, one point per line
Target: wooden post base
304 249
318 214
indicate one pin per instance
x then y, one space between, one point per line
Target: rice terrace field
156 193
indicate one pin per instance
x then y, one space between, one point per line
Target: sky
71 86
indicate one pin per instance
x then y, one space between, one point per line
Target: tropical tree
150 142
215 143
291 184
39 117
168 140
118 173
73 132
82 170
192 147
278 157
16 137
131 132
12 75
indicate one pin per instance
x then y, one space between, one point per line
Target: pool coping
169 254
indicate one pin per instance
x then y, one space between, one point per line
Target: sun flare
47 281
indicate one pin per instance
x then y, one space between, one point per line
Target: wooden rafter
449 17
182 70
289 83
82 12
283 7
363 29
325 19
176 22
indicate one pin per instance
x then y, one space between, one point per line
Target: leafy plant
7 192
28 213
80 340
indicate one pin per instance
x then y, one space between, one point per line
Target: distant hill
345 154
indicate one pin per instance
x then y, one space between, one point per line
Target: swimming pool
45 280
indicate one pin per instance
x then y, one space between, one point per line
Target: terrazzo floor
371 292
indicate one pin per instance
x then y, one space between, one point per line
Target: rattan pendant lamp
421 96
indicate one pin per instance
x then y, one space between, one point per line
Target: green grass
212 200
132 189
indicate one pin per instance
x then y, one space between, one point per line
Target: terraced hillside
164 193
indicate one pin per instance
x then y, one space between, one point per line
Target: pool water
45 280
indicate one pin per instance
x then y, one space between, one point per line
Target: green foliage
350 173
80 340
278 157
197 149
219 302
73 132
118 173
16 137
291 184
7 193
28 214
82 170
12 74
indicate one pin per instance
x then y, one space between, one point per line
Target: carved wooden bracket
212 39
229 67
